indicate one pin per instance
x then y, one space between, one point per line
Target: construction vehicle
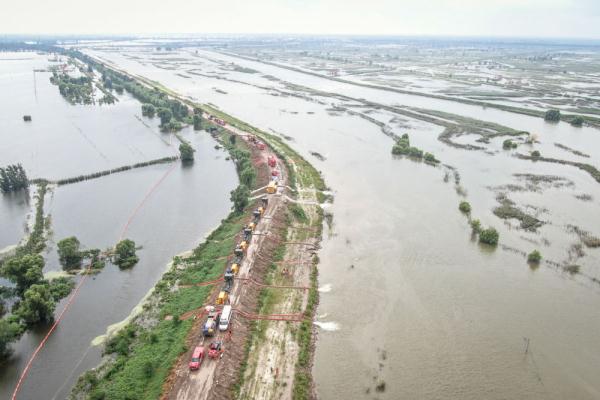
215 350
235 268
272 161
210 326
252 225
225 318
247 233
239 252
264 201
261 209
244 245
257 214
272 187
228 276
222 299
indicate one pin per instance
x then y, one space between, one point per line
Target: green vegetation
590 169
75 90
508 210
124 255
247 176
403 147
197 121
148 110
578 121
145 354
100 174
489 236
465 207
13 178
298 213
534 257
509 144
552 115
239 197
10 331
476 225
69 255
36 306
535 154
186 152
23 271
37 297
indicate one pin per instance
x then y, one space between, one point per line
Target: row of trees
13 178
403 147
555 116
71 256
75 90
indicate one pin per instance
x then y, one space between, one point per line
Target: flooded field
414 306
171 207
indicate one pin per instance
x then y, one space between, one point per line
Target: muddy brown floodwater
411 305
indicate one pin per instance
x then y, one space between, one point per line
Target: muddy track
215 378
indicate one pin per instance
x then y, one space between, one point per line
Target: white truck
226 315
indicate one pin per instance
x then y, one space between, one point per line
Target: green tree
239 197
476 225
465 207
10 330
24 271
148 110
489 236
37 305
534 257
430 158
197 119
552 115
69 255
13 178
165 115
578 121
125 256
509 144
247 176
186 152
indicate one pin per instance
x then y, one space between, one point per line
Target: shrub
476 225
534 257
430 158
69 255
125 256
577 121
465 207
186 152
148 110
489 236
415 152
552 115
535 154
239 197
509 144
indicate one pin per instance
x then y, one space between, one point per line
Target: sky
506 18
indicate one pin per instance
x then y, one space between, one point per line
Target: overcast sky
536 18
